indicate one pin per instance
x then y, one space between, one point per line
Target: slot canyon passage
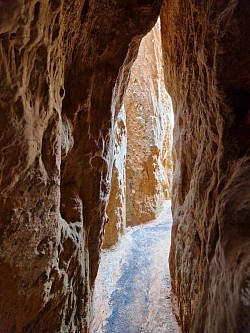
65 66
132 289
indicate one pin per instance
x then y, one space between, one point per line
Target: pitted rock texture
149 152
64 68
206 49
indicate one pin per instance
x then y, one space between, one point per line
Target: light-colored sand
133 291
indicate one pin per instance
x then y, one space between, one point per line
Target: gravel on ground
133 290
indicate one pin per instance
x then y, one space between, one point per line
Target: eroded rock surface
116 209
207 71
56 157
149 153
142 170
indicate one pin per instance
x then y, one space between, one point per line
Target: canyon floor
133 291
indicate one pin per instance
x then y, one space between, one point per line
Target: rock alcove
64 69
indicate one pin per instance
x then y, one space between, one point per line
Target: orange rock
149 125
64 67
207 72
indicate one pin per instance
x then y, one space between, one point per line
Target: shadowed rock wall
149 153
207 72
56 157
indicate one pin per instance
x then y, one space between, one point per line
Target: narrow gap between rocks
133 290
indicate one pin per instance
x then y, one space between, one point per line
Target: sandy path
132 292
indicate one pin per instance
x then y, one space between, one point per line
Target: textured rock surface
141 179
149 153
56 157
116 209
207 52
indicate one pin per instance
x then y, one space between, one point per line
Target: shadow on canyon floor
133 291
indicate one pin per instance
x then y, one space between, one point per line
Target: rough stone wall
149 152
56 156
116 209
206 49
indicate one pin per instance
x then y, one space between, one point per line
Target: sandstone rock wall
116 209
64 68
149 156
141 179
207 72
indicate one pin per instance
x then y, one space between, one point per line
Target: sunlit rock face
149 152
206 49
142 169
116 209
64 68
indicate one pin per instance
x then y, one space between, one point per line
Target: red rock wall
149 152
64 67
206 49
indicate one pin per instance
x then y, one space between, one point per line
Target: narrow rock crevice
65 66
63 72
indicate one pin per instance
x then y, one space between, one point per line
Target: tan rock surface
142 170
206 49
56 158
116 209
149 153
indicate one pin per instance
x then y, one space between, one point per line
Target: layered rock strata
206 49
64 68
149 153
